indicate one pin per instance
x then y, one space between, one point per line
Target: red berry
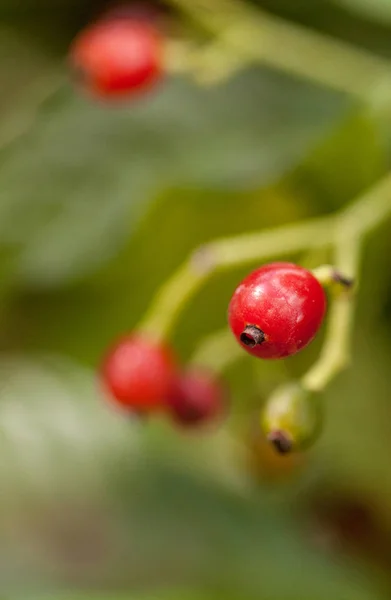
277 310
138 373
115 58
197 397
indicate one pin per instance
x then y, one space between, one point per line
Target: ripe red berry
277 310
197 397
138 373
117 57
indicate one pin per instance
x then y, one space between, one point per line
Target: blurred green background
98 206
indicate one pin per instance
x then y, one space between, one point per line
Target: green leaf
378 10
28 75
115 298
349 160
91 498
39 410
88 169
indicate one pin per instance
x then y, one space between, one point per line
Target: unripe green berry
291 418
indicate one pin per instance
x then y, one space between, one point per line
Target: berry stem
216 62
286 239
226 253
208 64
351 224
336 351
321 59
332 278
366 213
170 299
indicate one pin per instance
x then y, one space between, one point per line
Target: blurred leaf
64 456
107 304
347 162
60 434
88 169
116 297
379 10
28 74
39 411
96 503
86 502
338 19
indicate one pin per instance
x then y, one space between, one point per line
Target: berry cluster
144 377
275 312
278 309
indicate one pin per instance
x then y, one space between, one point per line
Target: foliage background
98 205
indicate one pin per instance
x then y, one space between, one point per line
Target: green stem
321 60
355 221
171 299
372 208
226 253
333 279
287 239
208 64
291 48
336 351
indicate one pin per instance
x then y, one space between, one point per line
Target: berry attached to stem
334 280
117 58
139 374
277 310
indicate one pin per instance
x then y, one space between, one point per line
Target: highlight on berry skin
117 58
138 374
277 310
197 398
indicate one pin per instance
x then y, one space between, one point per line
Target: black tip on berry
252 336
347 282
281 441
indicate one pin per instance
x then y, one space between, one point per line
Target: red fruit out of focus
139 374
277 310
197 397
117 58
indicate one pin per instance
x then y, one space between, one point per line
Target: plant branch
365 214
336 351
292 48
351 224
226 253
